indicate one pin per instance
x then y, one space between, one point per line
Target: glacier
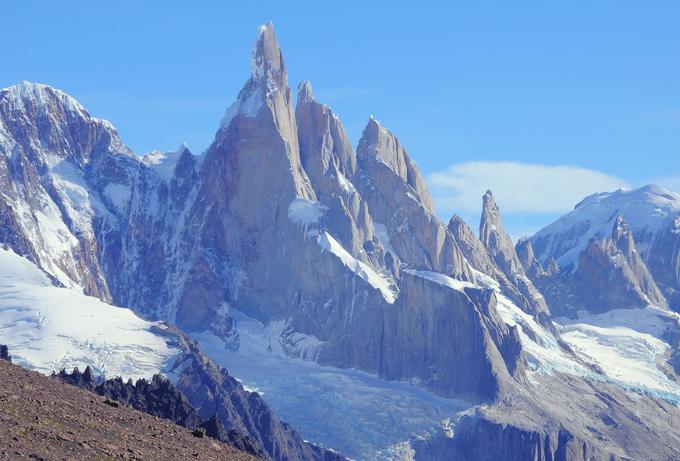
351 411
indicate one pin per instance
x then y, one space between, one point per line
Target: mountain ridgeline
282 220
185 238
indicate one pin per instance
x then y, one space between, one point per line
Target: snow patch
345 184
247 105
441 279
328 243
53 240
384 236
306 212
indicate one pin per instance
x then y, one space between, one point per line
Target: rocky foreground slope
43 418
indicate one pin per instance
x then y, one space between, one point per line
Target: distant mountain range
319 275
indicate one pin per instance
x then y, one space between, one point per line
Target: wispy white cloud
518 187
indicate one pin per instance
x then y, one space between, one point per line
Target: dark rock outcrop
85 379
214 428
161 399
4 353
157 397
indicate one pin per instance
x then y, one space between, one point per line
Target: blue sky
482 94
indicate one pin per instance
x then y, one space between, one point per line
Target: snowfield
48 328
627 344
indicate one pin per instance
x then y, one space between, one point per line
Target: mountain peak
650 194
373 123
305 94
379 143
653 189
267 63
622 236
490 213
182 147
41 96
267 78
488 200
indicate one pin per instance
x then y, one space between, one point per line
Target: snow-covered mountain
319 275
648 211
624 241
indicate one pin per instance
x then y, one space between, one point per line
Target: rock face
531 265
480 259
577 420
400 211
377 142
612 273
663 261
325 150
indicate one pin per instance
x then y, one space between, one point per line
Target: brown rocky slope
43 418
